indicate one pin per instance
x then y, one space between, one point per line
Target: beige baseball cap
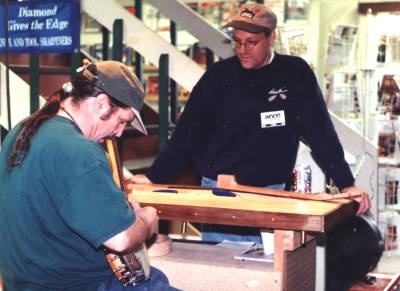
254 17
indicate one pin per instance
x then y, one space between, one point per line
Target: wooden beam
377 7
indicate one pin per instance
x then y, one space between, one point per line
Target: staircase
145 41
185 17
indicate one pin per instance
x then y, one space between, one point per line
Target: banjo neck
133 267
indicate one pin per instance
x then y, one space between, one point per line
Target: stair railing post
163 129
75 62
210 58
138 57
173 85
3 134
117 50
34 80
105 42
163 85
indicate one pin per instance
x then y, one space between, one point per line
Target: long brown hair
81 89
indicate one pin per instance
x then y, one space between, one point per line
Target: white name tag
273 119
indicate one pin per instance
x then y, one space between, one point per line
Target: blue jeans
220 232
157 282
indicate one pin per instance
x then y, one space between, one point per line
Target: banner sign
46 26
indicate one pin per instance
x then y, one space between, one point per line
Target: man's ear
102 106
272 37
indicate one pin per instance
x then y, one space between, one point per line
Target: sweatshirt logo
274 93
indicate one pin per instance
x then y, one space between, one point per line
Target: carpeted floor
389 264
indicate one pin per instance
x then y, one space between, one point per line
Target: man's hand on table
360 196
136 179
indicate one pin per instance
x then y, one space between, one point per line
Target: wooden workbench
295 222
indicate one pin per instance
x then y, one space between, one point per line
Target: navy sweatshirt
248 123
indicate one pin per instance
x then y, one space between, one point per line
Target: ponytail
80 89
29 128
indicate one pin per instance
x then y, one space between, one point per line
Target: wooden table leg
294 258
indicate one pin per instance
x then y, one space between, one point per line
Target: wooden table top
245 209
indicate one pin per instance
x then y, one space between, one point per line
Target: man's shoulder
229 63
62 130
289 59
219 71
60 135
290 62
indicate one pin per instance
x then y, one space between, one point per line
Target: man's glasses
248 44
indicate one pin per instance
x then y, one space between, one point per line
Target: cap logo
247 13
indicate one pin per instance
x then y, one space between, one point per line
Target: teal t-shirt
56 210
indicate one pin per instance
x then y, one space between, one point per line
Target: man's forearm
129 239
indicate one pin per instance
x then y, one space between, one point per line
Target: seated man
59 204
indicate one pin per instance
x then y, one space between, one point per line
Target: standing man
246 115
59 204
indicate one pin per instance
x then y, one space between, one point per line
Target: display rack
363 89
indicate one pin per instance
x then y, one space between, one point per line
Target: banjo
130 268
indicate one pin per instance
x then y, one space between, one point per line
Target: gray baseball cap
254 18
120 82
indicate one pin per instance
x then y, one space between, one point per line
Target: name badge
272 119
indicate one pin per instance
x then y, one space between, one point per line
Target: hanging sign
46 26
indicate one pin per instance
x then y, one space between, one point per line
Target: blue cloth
157 282
220 232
